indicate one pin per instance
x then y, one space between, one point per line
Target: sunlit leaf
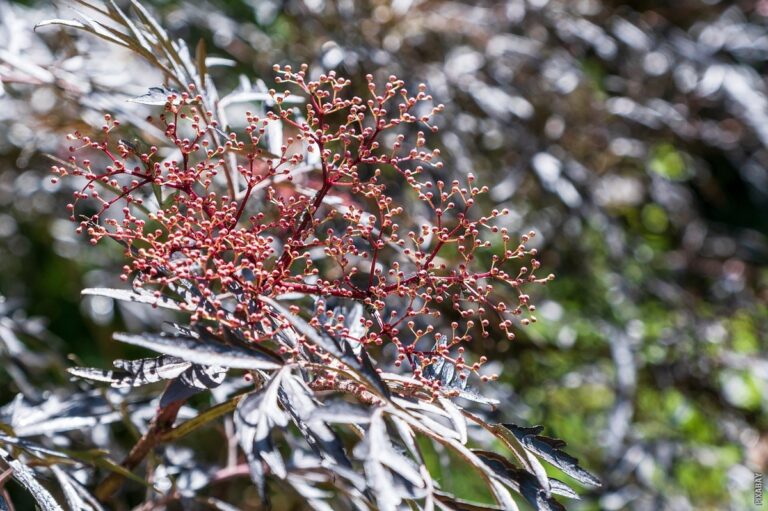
155 96
256 417
198 352
26 477
549 449
134 373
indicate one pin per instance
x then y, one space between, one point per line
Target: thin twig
160 425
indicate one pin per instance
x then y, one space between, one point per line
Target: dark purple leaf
342 412
298 400
134 373
343 352
256 416
155 96
199 352
27 478
391 475
56 414
549 450
522 481
457 504
194 380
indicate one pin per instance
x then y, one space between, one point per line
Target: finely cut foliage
324 321
315 220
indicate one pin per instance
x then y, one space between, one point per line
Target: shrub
313 254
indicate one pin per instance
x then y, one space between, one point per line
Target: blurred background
632 136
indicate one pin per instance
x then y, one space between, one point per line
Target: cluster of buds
348 210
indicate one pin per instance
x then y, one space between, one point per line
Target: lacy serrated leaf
549 450
341 412
94 374
60 22
522 481
193 380
154 96
471 395
56 414
132 296
363 365
383 463
118 15
203 377
459 421
458 504
297 398
526 459
500 492
154 369
540 498
27 478
422 410
32 447
256 416
135 373
199 352
558 487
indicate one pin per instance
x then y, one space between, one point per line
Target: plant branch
161 424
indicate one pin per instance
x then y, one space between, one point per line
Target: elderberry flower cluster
351 209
